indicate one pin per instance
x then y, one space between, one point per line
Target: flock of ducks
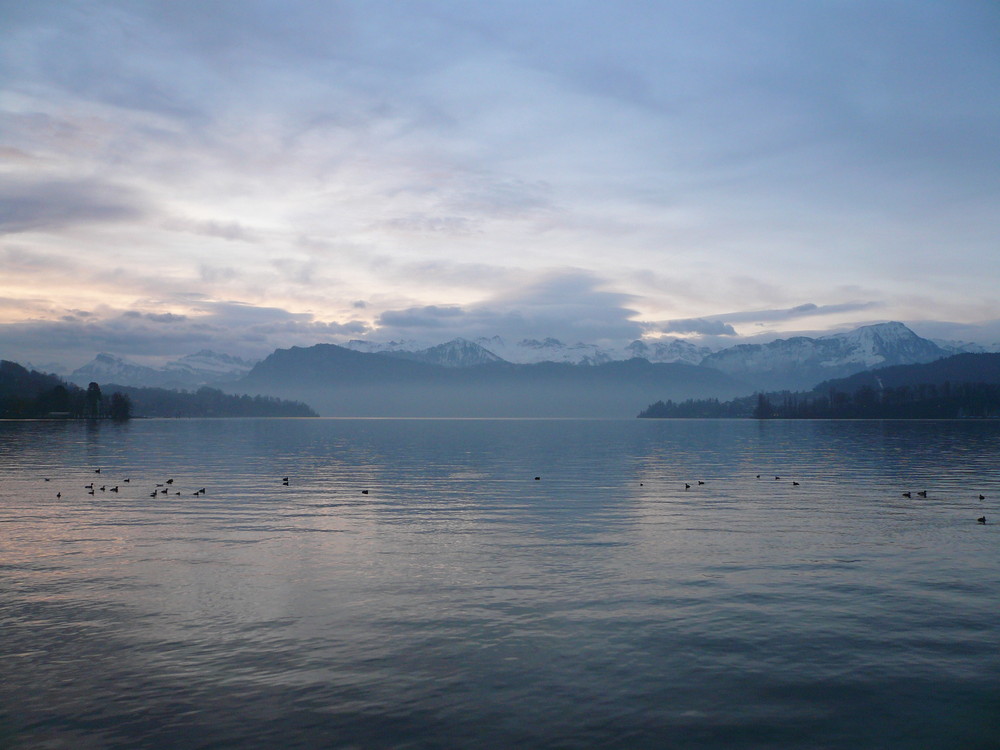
920 493
165 488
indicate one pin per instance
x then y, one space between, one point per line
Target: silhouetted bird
922 493
284 479
103 488
687 486
982 497
97 471
126 479
981 519
758 476
907 494
201 491
46 479
58 494
700 482
795 484
538 479
115 488
170 481
285 482
91 492
364 492
153 493
88 486
777 477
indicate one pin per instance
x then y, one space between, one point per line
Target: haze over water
463 603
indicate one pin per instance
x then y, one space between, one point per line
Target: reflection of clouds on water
461 586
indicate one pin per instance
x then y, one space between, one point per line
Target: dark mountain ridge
960 368
964 385
342 382
800 362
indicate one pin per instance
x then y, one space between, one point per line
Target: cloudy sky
252 174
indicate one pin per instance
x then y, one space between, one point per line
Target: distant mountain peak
458 352
193 370
668 350
546 343
801 361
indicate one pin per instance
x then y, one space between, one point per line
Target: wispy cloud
246 330
697 326
690 169
47 205
568 304
806 310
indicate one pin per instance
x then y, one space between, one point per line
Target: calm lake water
463 603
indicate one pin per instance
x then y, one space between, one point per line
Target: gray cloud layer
422 168
27 205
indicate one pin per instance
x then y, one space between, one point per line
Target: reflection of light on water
463 600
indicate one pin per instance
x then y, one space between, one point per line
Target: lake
414 585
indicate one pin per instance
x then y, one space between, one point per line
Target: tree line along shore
29 394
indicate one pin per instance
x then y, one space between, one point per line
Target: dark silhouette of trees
921 401
208 402
121 407
28 394
965 385
94 401
697 409
763 409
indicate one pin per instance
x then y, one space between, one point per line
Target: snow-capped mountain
107 368
208 366
795 363
382 347
966 347
194 370
802 362
668 350
455 353
461 352
530 351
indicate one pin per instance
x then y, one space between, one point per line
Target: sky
248 175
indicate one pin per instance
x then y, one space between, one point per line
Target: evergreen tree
121 407
93 401
763 410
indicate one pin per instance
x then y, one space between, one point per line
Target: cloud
568 304
428 224
232 231
165 317
429 316
233 328
698 326
448 158
792 313
31 205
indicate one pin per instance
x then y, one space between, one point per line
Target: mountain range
494 377
461 352
193 371
337 381
801 362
